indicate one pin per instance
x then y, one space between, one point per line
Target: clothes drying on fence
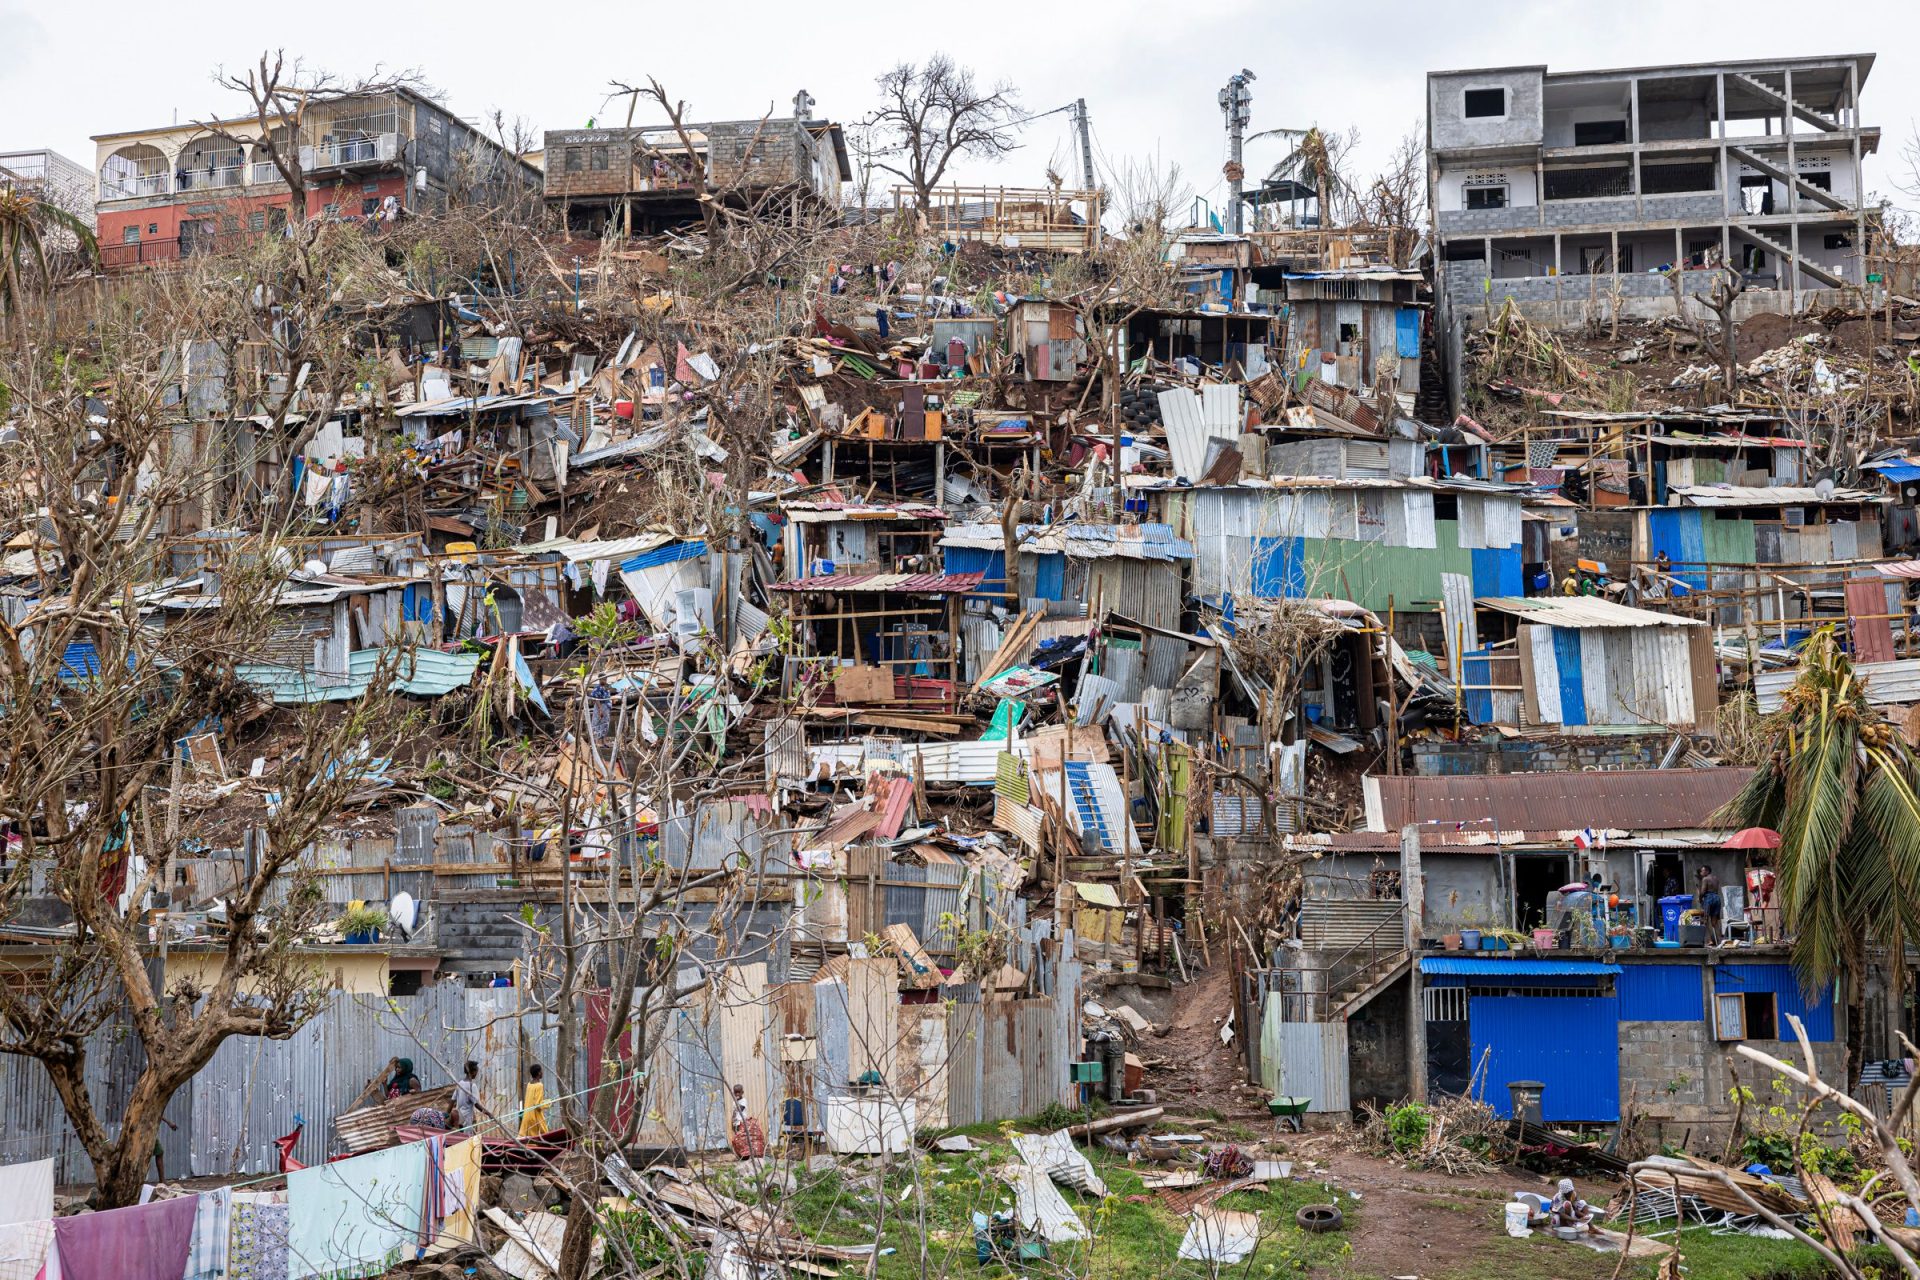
26 1191
207 1257
357 1217
460 1191
257 1236
23 1248
143 1242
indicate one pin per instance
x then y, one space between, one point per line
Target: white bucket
1517 1214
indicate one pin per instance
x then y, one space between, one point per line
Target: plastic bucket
1517 1214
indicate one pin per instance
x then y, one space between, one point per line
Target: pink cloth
145 1242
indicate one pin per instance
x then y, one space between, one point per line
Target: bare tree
934 114
1395 202
98 697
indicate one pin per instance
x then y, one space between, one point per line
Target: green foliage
1408 1124
1843 791
362 920
639 1236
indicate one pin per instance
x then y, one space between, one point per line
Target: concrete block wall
1544 755
1680 1077
1448 127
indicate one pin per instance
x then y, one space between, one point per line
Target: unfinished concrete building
644 179
1569 191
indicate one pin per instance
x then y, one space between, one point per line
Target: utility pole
1236 103
1086 143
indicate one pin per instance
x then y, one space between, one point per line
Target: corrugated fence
962 1059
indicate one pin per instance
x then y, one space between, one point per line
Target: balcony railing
215 177
263 171
133 186
379 148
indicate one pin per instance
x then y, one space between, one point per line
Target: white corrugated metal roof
1736 495
1582 611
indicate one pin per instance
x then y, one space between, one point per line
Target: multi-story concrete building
51 177
1540 181
169 192
643 179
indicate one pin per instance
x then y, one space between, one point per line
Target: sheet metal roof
1581 612
1651 799
1517 967
1736 495
1082 541
929 584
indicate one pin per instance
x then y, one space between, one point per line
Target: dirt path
1188 1068
1439 1227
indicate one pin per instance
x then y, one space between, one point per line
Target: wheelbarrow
1288 1110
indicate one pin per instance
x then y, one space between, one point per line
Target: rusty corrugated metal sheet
1644 799
893 812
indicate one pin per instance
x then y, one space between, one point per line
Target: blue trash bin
1670 909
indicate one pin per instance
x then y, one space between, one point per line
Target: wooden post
1413 897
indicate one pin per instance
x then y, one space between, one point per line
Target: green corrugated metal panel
429 674
1727 541
1368 573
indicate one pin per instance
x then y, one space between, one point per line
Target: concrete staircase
1764 239
1778 96
1360 949
1805 189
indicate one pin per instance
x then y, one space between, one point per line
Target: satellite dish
401 911
1824 486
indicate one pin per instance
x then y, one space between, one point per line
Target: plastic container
1517 1215
1670 909
1470 939
1543 939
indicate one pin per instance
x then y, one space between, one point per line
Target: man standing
1707 898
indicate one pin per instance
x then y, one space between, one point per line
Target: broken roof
1735 495
931 584
1582 612
1083 541
1656 799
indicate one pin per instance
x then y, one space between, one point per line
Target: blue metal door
1571 1044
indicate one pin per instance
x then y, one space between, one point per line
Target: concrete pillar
1413 895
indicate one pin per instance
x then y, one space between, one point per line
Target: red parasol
1754 838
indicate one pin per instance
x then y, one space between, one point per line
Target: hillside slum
993 681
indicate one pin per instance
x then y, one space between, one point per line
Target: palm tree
24 221
1843 790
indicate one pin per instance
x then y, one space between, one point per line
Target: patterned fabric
23 1249
257 1237
1541 453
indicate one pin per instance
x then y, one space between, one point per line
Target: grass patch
928 1203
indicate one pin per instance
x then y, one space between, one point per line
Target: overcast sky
1149 72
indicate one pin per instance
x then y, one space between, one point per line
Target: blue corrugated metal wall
1573 687
1785 984
1680 533
992 564
1497 573
1661 993
1050 576
1478 671
1279 567
1571 1044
